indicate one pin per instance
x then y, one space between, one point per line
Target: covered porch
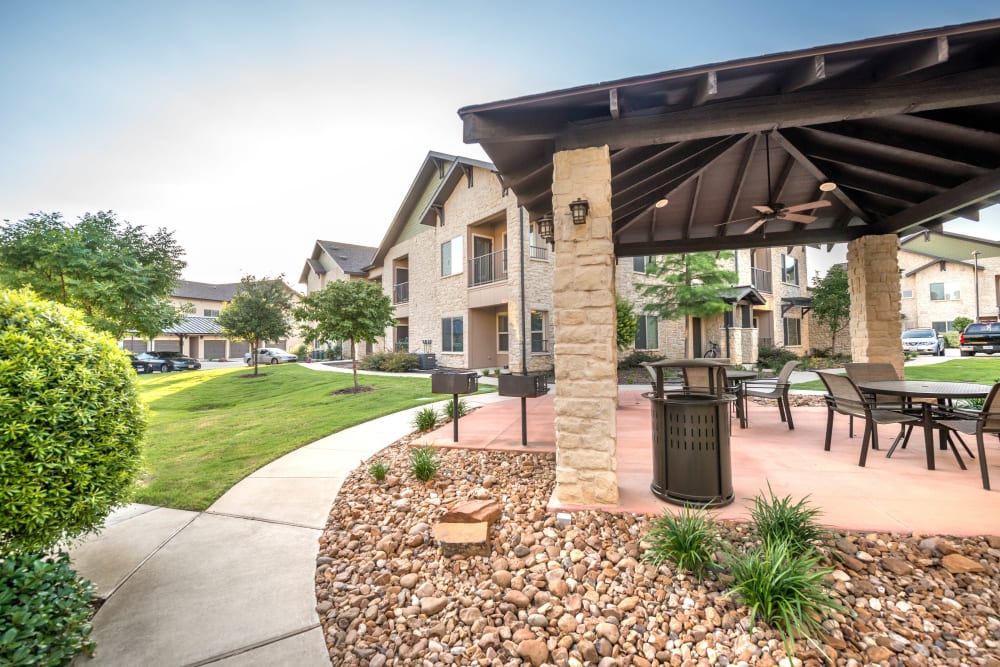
857 142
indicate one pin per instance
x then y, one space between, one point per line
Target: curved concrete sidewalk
232 585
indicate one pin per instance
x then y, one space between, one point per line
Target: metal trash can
454 383
691 449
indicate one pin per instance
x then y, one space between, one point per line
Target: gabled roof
352 259
940 260
448 169
193 325
187 289
744 293
945 245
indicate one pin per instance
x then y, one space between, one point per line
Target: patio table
942 391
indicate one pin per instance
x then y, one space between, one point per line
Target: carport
858 142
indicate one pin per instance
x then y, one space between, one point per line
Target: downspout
524 345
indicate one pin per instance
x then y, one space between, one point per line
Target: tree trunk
253 355
354 366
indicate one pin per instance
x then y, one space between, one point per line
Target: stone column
873 281
585 352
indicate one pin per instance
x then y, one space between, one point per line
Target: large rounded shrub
71 424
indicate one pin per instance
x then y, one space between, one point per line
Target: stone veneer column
586 359
873 281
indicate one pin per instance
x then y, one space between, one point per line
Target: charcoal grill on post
525 386
454 383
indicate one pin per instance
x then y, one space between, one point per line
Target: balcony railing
538 252
760 279
487 269
765 342
401 293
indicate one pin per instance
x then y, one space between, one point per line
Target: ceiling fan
773 210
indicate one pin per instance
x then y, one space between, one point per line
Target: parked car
270 355
177 361
982 337
923 341
144 362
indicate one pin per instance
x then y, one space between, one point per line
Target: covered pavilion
857 142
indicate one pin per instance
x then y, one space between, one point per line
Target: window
907 294
538 331
641 264
503 337
948 291
942 327
793 331
208 312
451 257
645 333
789 270
451 334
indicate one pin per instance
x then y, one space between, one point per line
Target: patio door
696 347
482 262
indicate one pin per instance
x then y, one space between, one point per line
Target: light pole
975 275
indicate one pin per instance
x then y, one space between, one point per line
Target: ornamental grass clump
424 463
689 540
449 408
379 469
425 419
784 589
781 520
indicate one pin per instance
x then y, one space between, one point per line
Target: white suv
269 355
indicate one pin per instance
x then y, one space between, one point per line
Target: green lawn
985 370
210 429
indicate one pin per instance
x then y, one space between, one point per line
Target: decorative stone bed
577 593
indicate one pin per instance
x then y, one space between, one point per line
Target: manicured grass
985 370
210 429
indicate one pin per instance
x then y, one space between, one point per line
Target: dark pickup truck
981 337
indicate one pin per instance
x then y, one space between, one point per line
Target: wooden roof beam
734 242
818 174
915 57
694 208
706 89
765 113
978 190
737 189
806 73
695 161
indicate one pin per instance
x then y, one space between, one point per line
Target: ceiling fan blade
764 210
822 203
796 217
752 228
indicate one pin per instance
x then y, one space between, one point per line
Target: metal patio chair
774 389
987 421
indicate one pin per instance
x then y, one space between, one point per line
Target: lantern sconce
546 229
579 208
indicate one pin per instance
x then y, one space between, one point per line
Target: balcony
538 252
487 269
401 293
760 279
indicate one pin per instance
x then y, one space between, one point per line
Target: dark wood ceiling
907 127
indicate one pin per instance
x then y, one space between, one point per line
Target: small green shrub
951 339
634 359
301 351
783 589
779 520
379 469
44 610
425 419
390 362
424 463
688 540
71 424
449 408
774 357
960 322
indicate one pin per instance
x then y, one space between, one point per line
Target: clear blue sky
253 128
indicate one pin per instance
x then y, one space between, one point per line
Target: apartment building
471 281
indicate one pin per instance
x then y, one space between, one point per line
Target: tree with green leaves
626 322
831 301
354 310
259 311
117 275
959 323
688 285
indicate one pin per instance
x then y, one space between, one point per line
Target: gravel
577 593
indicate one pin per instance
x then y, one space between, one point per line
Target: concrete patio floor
893 495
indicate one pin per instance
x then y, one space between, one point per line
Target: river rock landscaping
573 590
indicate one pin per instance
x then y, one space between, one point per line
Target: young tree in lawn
354 310
259 311
119 276
688 285
831 302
